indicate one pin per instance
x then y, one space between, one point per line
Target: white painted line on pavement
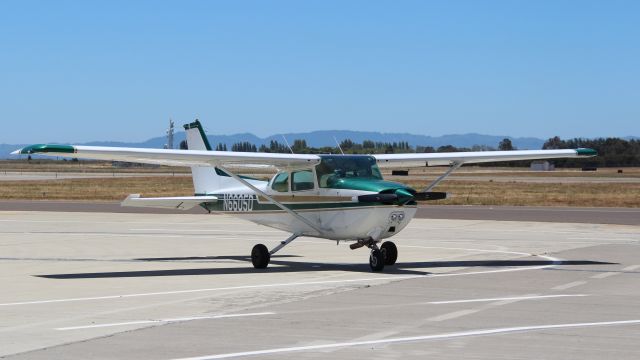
505 298
631 268
569 285
163 321
91 234
554 261
244 287
454 315
605 275
211 230
611 273
445 336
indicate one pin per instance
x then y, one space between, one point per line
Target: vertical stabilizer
205 178
196 138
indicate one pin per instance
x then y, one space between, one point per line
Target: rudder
205 178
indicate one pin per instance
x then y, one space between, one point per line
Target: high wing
173 157
251 159
459 158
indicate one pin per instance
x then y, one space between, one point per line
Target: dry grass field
463 192
538 194
60 166
489 186
96 188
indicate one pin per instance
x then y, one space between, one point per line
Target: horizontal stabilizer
180 202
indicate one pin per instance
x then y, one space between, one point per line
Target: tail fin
206 179
196 138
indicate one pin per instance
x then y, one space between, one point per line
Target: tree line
612 152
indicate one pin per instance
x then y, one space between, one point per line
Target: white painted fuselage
336 212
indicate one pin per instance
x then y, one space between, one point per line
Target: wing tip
586 152
45 148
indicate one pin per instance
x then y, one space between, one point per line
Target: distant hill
326 138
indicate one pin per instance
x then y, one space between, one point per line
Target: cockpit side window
281 182
302 180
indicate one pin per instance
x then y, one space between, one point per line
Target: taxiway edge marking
445 336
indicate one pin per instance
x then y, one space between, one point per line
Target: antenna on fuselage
337 143
286 142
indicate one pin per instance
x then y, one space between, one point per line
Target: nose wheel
389 252
376 260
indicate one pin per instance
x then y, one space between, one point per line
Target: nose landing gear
387 254
376 260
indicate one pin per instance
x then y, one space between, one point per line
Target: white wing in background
438 159
173 157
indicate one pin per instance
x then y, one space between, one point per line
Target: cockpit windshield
335 167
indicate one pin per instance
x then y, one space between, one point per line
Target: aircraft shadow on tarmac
279 265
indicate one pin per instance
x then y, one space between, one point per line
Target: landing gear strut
260 255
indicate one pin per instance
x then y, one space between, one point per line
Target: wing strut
454 165
273 201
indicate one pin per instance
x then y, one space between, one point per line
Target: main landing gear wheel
260 256
389 252
376 260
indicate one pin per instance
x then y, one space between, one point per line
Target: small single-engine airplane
335 197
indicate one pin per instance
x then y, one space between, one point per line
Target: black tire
389 252
376 261
260 256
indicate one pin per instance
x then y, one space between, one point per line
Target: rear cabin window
333 168
281 182
302 180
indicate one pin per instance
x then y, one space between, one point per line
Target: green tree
299 146
505 145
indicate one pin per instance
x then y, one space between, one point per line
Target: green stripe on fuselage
251 204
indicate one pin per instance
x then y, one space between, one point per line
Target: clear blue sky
75 71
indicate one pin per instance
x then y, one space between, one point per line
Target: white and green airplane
335 197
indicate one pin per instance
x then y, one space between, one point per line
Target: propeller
401 197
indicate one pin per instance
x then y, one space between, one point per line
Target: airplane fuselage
327 196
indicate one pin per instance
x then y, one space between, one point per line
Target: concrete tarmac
169 286
619 216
